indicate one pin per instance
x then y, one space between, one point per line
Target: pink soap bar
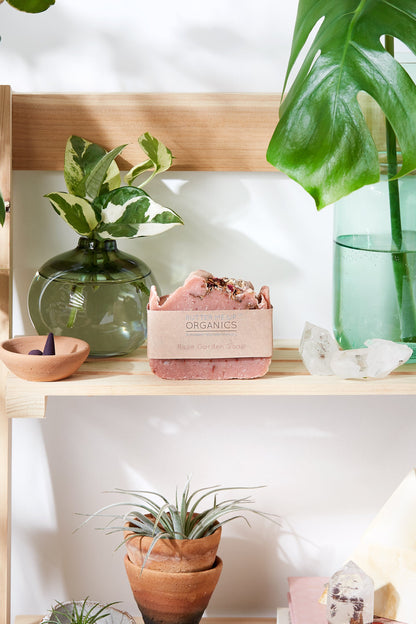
304 595
202 291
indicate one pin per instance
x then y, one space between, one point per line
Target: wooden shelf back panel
206 132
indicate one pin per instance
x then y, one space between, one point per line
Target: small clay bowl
70 354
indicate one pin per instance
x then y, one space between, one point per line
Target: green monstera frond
322 140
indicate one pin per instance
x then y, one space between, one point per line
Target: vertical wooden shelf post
5 323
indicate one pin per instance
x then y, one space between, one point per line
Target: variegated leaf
81 156
128 212
95 180
160 158
76 211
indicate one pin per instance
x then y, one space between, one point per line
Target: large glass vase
94 292
375 274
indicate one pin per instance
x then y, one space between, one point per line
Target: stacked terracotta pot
178 579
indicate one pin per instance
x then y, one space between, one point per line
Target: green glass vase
374 274
94 292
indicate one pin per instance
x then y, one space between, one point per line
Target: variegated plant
97 205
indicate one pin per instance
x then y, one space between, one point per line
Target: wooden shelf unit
206 132
131 376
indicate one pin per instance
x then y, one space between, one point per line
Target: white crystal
321 356
350 596
317 346
377 360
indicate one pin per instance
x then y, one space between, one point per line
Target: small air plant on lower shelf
86 612
151 524
171 561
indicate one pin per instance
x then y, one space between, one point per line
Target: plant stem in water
402 276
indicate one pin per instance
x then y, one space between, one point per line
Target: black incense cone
49 348
35 352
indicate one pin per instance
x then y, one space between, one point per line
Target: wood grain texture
131 376
5 315
36 619
205 131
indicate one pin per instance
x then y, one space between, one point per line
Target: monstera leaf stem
402 275
393 183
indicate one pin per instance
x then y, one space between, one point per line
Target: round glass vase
374 272
94 292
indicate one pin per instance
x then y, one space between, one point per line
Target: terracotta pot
70 354
169 555
172 598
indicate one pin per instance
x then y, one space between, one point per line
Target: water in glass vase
94 292
374 290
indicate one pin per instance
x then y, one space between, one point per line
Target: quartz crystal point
350 596
317 348
321 356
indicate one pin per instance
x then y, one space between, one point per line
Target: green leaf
128 212
2 209
159 158
76 211
95 180
81 157
322 140
31 6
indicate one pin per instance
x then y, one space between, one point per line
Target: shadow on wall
90 446
222 232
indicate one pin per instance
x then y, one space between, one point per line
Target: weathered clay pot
188 555
169 597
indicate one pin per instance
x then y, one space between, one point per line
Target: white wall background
328 463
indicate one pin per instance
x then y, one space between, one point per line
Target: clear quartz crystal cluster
322 356
350 596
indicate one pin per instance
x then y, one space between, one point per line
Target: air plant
151 514
78 612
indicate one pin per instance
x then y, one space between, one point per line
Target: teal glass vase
94 292
374 271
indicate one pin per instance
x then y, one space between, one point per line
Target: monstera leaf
31 6
128 212
322 140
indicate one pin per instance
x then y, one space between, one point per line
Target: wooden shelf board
205 131
36 619
131 376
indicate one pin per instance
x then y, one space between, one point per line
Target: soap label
207 334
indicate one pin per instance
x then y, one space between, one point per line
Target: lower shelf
35 619
131 376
